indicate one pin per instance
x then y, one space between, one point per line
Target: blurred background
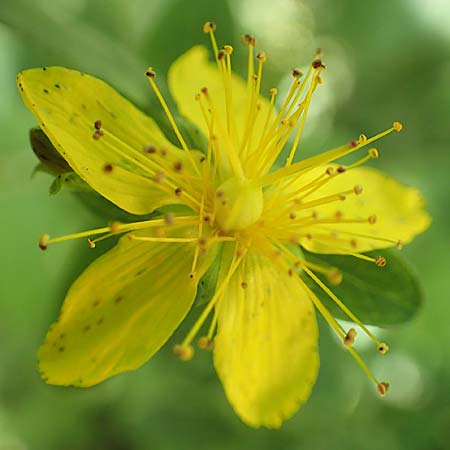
385 61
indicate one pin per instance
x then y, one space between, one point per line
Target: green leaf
379 296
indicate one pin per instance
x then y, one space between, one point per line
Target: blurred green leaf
379 296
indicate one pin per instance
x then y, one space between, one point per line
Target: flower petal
119 312
67 103
266 345
398 209
191 72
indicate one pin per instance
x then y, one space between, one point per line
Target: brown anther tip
209 26
131 237
202 159
261 56
201 241
297 73
349 338
206 218
315 215
382 348
221 233
248 39
317 63
205 344
204 90
228 49
342 197
184 352
290 272
308 236
273 91
159 177
150 73
244 285
43 241
399 245
358 189
169 219
220 54
372 219
177 166
107 168
380 261
192 275
292 215
398 126
97 124
341 169
97 134
373 153
353 144
150 149
362 139
91 243
335 277
382 388
219 194
329 171
178 191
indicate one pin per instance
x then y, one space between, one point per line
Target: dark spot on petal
140 272
83 106
118 299
45 91
44 69
96 303
62 336
107 168
100 321
61 349
57 86
86 328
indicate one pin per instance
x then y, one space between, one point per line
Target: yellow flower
239 211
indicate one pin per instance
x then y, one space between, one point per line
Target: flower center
238 204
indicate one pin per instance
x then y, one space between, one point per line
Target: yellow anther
184 352
204 343
362 139
43 241
273 91
349 338
209 26
115 227
91 243
398 126
382 388
358 189
372 219
380 261
335 277
261 57
373 153
382 348
228 49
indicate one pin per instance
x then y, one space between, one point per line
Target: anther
150 73
317 63
335 277
353 144
362 139
341 169
398 126
206 218
177 166
43 241
244 285
97 124
107 168
358 189
204 90
273 91
184 352
329 171
228 49
178 191
97 134
91 243
204 343
297 73
115 227
168 219
382 388
399 245
342 197
292 215
349 338
373 153
382 348
248 39
220 55
150 149
380 261
372 219
209 26
261 57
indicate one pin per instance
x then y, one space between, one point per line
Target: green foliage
379 296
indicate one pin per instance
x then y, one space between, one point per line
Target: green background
385 61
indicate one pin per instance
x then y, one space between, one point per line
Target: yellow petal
67 103
193 71
119 312
266 345
398 209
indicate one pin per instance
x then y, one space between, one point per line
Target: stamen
349 338
382 388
